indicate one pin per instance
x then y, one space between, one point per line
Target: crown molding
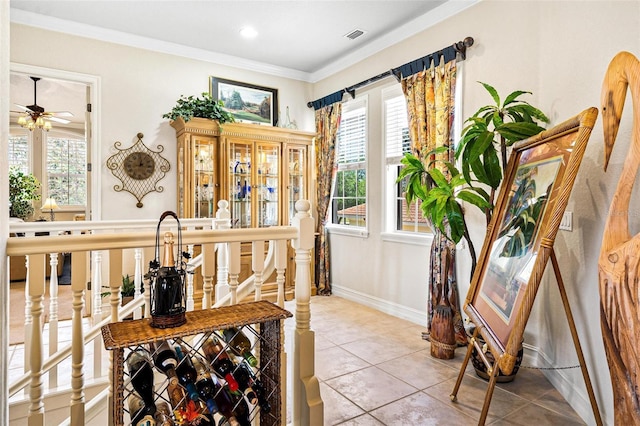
118 37
421 23
411 28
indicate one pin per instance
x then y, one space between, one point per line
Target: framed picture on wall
247 103
532 200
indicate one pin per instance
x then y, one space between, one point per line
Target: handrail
17 246
73 225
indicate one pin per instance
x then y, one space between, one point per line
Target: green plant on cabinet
188 107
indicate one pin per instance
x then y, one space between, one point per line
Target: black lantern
166 281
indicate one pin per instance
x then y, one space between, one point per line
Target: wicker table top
118 335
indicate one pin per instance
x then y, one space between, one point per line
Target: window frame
68 134
390 174
37 160
362 102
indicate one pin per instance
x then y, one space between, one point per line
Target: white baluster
28 319
234 270
224 222
78 267
96 285
257 264
190 301
53 316
281 265
115 282
208 268
137 280
308 406
36 279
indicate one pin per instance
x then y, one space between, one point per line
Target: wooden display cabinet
261 170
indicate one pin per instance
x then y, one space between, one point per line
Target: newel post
308 407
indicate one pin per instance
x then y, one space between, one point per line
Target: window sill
348 231
415 239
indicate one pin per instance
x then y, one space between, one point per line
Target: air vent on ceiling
352 35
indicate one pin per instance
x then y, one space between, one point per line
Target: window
66 170
63 175
399 216
349 201
19 151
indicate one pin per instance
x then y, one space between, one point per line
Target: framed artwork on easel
532 201
518 244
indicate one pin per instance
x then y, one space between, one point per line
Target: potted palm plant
482 155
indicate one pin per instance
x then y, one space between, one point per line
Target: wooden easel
494 371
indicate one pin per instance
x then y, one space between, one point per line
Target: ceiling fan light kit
35 117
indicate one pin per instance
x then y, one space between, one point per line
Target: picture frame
534 193
248 103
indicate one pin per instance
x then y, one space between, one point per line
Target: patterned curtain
327 121
430 105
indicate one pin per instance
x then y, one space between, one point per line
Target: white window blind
19 152
396 129
66 170
351 136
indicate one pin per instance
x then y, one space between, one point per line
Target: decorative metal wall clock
138 168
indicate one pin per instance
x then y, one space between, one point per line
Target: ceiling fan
35 116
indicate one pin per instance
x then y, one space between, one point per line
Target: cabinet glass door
296 184
268 185
204 179
240 184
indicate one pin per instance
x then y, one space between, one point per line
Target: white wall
559 51
137 87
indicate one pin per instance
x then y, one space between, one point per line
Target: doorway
60 157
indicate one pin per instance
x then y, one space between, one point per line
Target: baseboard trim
391 308
574 393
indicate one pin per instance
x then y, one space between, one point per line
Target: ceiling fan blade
57 120
23 108
59 113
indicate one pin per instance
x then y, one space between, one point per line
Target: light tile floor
375 369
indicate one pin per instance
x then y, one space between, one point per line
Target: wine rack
260 321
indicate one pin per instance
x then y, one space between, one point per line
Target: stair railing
94 249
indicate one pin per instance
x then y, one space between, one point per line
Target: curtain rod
405 70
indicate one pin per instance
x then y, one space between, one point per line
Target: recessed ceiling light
248 32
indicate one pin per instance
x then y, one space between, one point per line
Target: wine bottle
163 415
240 344
258 388
206 385
186 373
241 411
225 403
177 397
168 295
245 382
164 356
138 412
141 373
220 361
